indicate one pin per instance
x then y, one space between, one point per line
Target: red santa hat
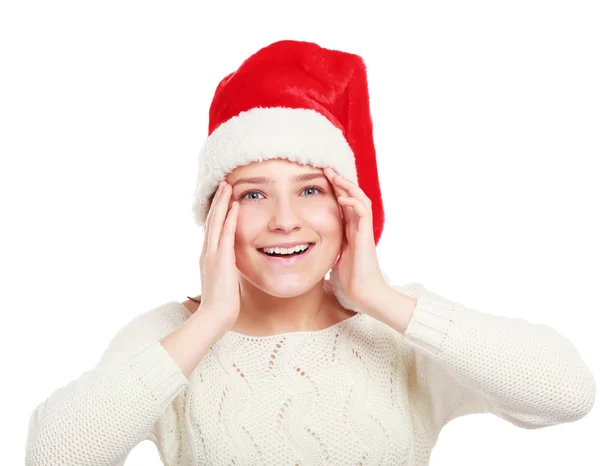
297 101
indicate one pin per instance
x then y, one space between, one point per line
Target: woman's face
285 210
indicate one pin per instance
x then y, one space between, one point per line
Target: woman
273 363
284 291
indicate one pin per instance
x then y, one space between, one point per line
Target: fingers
351 188
358 206
228 236
339 190
218 218
352 198
213 205
209 217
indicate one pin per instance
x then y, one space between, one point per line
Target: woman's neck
263 314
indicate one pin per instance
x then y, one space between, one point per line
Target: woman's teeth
286 251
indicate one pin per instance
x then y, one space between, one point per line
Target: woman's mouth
288 259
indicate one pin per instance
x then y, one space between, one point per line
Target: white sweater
358 392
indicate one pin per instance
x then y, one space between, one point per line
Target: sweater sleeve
469 361
98 418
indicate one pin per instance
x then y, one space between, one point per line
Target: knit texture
355 393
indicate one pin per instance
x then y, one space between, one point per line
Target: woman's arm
98 418
468 361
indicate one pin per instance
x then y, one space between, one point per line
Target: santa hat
297 101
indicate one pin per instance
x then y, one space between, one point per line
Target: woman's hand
357 267
219 279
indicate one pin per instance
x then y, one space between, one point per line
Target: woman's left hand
357 267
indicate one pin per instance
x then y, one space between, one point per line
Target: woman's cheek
327 212
249 219
245 211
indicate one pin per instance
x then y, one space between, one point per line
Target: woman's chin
286 287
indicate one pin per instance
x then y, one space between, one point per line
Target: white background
487 124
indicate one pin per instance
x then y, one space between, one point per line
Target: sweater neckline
300 333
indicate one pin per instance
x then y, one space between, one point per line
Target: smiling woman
289 233
273 363
291 211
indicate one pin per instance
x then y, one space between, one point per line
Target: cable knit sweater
357 392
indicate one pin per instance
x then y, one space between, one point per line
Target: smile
288 259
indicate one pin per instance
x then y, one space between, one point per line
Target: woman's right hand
218 272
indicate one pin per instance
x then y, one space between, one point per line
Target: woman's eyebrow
266 180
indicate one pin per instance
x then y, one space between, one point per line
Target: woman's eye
243 196
312 188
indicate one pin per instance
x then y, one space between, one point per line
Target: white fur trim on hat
299 135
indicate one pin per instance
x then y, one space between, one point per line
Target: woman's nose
284 216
